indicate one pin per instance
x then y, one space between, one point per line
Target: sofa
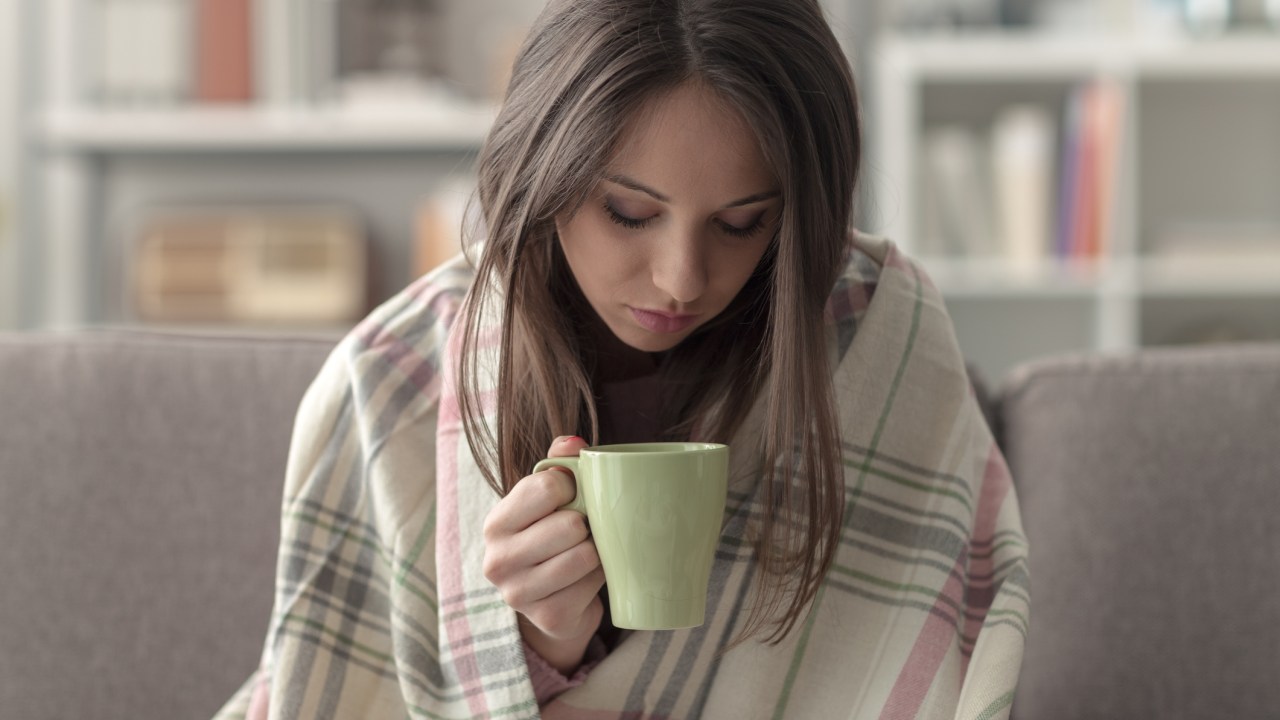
140 480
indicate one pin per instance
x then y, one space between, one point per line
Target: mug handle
570 463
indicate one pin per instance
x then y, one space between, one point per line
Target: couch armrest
140 481
1149 487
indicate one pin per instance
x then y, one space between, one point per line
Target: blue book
1068 210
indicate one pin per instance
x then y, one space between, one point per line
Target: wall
9 89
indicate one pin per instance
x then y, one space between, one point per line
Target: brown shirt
630 410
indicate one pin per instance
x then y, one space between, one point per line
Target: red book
224 51
1111 111
1084 240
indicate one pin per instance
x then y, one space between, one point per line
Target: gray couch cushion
1150 492
140 481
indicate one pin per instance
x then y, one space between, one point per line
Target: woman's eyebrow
627 182
632 184
754 198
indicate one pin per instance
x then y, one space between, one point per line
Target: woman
667 192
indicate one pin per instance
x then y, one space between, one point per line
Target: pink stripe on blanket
374 335
373 331
260 701
996 483
452 421
448 542
854 301
935 638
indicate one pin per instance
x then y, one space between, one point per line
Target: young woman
667 193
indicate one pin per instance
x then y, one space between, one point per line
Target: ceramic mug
655 511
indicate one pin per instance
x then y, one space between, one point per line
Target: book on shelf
1071 179
250 265
224 69
444 219
142 53
295 51
274 75
1022 147
1014 193
270 53
387 56
958 209
1090 167
1109 123
168 52
311 39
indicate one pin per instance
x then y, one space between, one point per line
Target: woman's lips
662 323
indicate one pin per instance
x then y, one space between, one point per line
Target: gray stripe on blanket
297 571
357 596
922 472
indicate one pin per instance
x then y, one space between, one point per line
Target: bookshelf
102 159
1192 238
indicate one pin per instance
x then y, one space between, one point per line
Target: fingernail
575 437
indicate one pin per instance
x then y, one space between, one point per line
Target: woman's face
682 217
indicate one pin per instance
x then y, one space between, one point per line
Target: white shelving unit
208 130
1201 143
80 148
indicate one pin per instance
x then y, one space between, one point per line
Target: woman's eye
633 223
624 220
747 231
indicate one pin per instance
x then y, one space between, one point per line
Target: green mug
655 511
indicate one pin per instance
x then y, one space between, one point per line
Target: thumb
567 446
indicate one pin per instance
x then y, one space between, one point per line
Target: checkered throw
381 609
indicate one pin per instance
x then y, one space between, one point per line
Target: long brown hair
584 71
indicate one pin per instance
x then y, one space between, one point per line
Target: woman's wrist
565 655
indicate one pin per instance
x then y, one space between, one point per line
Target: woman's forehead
687 138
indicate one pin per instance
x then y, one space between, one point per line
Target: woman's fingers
561 571
566 446
568 611
538 544
541 558
535 496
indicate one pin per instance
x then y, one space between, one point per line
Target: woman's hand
544 563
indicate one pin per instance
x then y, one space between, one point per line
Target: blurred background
1076 175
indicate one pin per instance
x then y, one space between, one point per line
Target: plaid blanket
381 610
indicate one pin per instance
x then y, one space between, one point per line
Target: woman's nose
680 267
